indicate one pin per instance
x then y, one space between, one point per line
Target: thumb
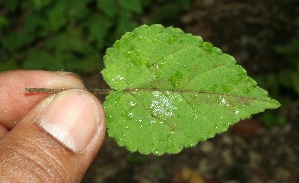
56 141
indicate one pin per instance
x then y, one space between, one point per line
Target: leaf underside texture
172 90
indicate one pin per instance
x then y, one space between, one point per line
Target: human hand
47 138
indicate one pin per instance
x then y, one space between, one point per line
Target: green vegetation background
71 35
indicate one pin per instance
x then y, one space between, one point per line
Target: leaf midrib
243 98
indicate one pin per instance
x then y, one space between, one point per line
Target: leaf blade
167 83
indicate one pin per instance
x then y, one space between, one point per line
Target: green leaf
125 23
17 41
40 4
108 7
133 5
57 15
173 90
98 29
41 60
70 40
4 22
77 10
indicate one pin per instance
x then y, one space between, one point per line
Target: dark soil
250 31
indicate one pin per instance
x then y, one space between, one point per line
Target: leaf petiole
52 90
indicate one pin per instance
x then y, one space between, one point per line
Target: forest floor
248 151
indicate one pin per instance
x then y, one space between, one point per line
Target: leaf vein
202 73
150 68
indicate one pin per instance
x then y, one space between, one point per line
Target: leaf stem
52 90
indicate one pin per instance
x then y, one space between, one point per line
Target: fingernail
72 117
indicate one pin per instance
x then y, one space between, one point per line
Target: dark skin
28 150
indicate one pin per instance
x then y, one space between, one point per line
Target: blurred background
263 36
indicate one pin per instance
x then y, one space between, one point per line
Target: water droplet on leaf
132 104
117 78
130 115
